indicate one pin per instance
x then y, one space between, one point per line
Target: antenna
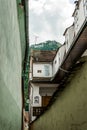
36 37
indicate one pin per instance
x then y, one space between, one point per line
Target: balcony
38 110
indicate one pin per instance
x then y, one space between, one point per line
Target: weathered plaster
69 111
10 67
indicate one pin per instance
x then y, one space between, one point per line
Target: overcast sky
48 19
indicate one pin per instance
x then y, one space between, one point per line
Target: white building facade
80 14
69 36
42 70
45 65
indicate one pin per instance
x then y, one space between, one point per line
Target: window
85 7
37 111
59 59
39 71
67 42
76 19
55 61
47 71
36 99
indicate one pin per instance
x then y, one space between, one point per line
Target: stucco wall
69 112
80 16
46 70
21 19
10 67
56 63
69 36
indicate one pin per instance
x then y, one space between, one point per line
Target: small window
67 42
59 59
55 61
86 7
47 70
39 71
36 99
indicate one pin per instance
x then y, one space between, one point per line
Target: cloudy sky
48 19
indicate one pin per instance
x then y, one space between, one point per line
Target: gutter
72 55
75 40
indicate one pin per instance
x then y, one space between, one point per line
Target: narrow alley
43 86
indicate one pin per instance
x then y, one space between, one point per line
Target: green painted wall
69 112
10 67
21 19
